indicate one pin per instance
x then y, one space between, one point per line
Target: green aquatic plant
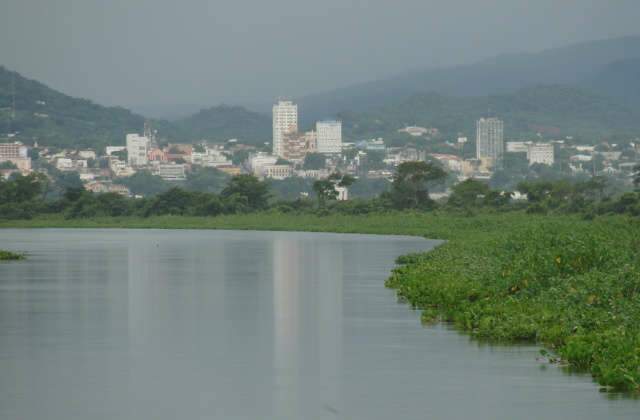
10 256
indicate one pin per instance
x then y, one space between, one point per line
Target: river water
162 324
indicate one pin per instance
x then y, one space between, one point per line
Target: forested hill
601 106
575 64
52 118
554 111
224 122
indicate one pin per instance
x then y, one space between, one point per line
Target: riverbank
569 284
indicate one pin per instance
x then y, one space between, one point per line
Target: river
188 324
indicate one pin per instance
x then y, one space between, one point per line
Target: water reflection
125 324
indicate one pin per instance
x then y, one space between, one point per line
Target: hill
554 111
571 65
620 79
224 122
50 117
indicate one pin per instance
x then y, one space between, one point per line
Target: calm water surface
132 324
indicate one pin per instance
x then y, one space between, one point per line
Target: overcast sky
132 52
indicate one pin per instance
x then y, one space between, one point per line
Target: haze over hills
553 111
576 64
52 118
588 89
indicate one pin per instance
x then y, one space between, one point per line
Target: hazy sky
132 52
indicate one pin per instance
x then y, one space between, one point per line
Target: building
170 171
311 137
294 146
517 146
416 131
450 162
277 171
107 187
65 164
259 161
285 120
211 158
490 140
87 154
137 150
119 168
114 149
157 155
540 153
329 137
16 153
343 193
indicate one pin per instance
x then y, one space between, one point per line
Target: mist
165 53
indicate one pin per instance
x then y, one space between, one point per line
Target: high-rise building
285 120
329 137
490 140
137 150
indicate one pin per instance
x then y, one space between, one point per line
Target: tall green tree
410 184
325 189
255 192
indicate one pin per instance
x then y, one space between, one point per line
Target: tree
174 201
208 180
326 189
409 187
468 193
636 176
314 161
7 164
144 183
255 192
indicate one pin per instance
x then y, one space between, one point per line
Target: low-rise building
517 146
542 153
450 162
170 171
277 171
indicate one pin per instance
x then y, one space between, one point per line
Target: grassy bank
10 256
570 284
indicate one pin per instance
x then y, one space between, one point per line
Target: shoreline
561 282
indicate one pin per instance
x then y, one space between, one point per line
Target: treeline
24 197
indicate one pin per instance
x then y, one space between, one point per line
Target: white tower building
137 150
490 139
285 120
329 137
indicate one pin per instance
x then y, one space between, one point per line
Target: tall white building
329 137
285 120
490 139
137 150
540 153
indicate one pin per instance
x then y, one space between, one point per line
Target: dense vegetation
10 256
555 111
54 119
208 192
569 284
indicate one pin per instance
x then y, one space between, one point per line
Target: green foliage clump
10 256
570 284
